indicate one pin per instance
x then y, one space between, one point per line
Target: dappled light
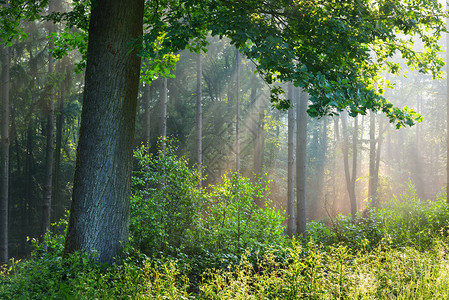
224 149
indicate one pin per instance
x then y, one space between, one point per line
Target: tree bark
46 204
237 106
199 116
447 112
372 160
350 180
63 91
290 167
147 104
301 159
164 100
355 142
100 202
4 181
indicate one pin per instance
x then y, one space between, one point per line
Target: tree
330 43
4 176
199 115
301 159
237 112
46 204
100 206
290 168
447 111
163 102
350 177
147 100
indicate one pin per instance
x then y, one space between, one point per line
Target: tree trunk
447 112
63 91
46 204
163 117
377 163
100 202
4 182
355 141
350 180
259 140
301 159
290 167
372 160
237 106
315 209
147 104
199 116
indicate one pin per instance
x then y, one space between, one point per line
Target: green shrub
165 202
232 222
404 221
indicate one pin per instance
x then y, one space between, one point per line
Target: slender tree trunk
301 159
58 147
46 205
237 122
259 142
447 112
4 176
199 116
100 203
63 91
377 164
315 209
355 142
345 148
147 104
372 160
290 167
164 99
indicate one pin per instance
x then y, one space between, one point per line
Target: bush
232 222
202 227
404 221
165 201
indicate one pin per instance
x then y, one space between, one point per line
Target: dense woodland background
231 197
45 105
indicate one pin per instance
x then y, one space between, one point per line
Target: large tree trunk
237 106
46 204
301 159
4 181
290 167
199 116
100 202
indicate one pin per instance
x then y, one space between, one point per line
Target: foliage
12 13
334 50
165 202
404 221
233 220
362 258
172 216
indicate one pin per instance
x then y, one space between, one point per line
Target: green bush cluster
403 221
217 243
202 227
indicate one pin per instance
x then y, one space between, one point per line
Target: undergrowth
218 244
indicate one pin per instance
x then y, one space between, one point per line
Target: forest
233 149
